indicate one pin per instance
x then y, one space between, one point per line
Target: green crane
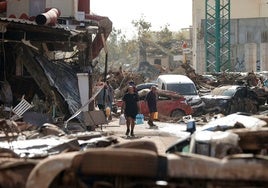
217 35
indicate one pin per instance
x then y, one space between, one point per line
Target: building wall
239 8
249 8
248 39
31 8
198 7
249 25
264 56
25 9
164 61
68 8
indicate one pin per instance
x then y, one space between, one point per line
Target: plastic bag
139 119
122 119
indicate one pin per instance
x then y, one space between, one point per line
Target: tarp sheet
64 78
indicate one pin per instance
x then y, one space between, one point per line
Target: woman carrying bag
151 99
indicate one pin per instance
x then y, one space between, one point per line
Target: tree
121 51
143 28
128 53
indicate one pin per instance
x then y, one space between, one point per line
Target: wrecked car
184 86
230 99
262 94
169 104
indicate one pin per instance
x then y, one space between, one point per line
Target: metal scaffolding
217 35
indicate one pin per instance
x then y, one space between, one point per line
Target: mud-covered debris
14 172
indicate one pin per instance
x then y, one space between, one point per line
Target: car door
164 105
143 107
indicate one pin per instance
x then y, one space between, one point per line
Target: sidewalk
163 137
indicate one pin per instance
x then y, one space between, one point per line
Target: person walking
151 99
130 108
102 98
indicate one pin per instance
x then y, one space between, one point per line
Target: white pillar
83 89
264 56
251 57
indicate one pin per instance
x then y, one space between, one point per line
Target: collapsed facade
42 62
43 51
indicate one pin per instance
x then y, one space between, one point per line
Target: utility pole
217 35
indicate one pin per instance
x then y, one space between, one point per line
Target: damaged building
47 72
44 51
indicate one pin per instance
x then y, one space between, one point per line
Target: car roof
229 87
175 78
221 89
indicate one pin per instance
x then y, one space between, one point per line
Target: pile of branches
120 79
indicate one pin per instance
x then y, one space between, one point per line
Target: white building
249 35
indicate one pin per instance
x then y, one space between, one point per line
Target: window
157 61
183 89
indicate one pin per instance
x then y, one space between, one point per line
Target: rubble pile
204 83
119 80
35 150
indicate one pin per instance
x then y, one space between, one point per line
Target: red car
169 104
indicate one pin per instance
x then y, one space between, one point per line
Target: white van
183 85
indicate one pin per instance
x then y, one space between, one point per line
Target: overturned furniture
20 109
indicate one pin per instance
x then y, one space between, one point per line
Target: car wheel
177 113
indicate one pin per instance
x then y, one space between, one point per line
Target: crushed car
231 99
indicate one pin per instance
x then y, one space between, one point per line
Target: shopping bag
122 119
139 119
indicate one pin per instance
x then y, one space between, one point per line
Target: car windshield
224 91
183 89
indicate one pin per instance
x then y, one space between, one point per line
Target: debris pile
120 79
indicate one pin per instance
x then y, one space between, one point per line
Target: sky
176 13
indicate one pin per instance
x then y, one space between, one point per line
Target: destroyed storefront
40 63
